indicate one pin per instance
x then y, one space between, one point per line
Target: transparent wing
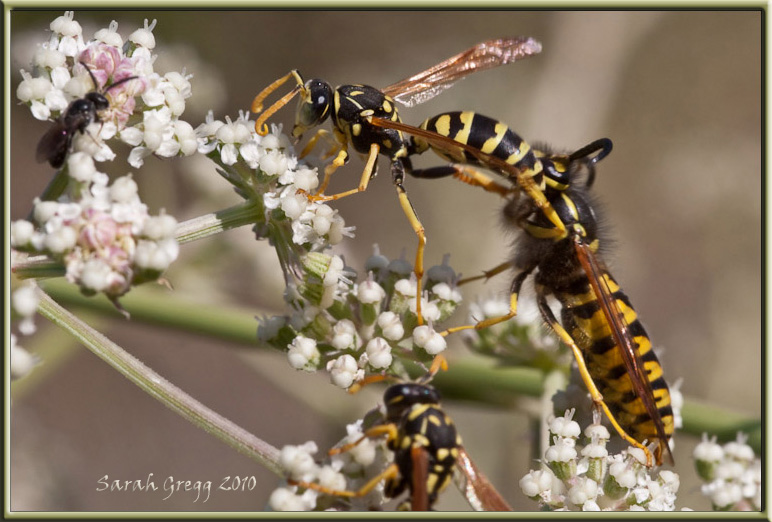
485 55
476 487
622 337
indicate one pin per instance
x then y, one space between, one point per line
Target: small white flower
25 300
331 479
96 275
306 179
110 35
334 271
379 353
563 450
536 482
61 240
406 287
21 233
144 37
22 362
391 326
344 333
298 461
124 190
344 371
582 491
370 292
81 167
274 163
623 473
564 426
286 499
303 354
432 342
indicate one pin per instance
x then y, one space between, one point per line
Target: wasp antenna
116 84
93 78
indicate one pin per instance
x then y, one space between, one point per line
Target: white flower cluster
265 169
101 233
732 474
520 341
345 471
593 480
351 328
24 304
59 79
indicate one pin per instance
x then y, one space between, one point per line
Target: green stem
158 387
469 380
247 213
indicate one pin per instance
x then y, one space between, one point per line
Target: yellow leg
391 472
257 104
597 397
418 228
439 363
390 430
516 284
487 274
363 182
476 178
537 195
335 147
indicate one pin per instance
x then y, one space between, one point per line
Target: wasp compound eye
315 106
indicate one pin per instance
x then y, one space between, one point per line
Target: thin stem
246 213
467 380
158 387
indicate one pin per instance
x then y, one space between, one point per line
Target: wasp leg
390 430
597 397
357 386
321 134
337 149
487 274
533 191
466 175
338 162
257 104
390 473
485 323
398 169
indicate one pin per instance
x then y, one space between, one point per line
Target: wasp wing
485 55
419 487
622 337
476 487
54 145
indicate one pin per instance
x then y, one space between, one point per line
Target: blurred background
678 92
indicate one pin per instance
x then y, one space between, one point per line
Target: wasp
597 321
427 450
79 114
350 107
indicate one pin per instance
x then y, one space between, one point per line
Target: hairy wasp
427 449
598 323
351 106
79 114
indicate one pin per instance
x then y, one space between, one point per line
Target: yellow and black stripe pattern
489 136
596 314
424 427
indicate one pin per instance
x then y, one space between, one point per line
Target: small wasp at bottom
427 449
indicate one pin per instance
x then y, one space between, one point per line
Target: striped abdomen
586 323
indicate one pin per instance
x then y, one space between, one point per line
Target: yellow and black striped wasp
351 106
598 323
427 449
